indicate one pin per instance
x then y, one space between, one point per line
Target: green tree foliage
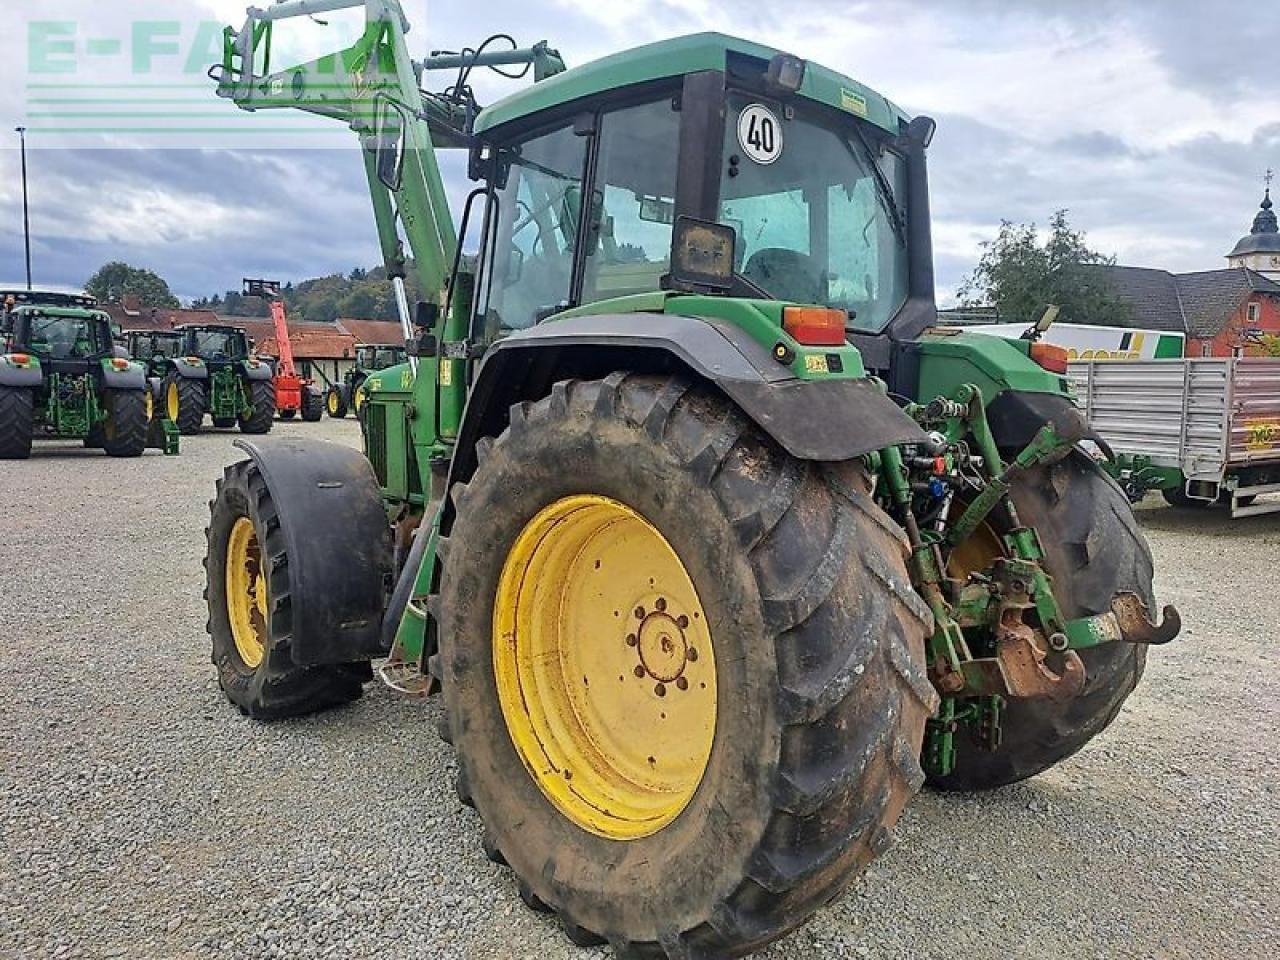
114 281
362 294
1021 276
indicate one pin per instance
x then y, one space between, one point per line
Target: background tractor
348 395
155 349
62 376
215 373
715 548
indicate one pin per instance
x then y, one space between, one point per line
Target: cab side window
531 270
628 246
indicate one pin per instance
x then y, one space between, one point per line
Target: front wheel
683 671
262 407
312 405
17 422
124 433
184 399
335 404
1093 550
250 617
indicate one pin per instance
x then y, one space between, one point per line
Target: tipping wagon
1199 430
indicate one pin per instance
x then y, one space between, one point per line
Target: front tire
312 405
262 399
250 617
184 399
124 434
818 693
17 422
335 403
1093 549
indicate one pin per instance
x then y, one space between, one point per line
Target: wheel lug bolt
660 690
639 613
682 622
682 683
632 640
639 671
693 654
661 604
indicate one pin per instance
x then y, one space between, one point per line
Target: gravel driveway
144 818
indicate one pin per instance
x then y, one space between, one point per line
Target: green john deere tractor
348 395
716 548
215 372
62 376
154 349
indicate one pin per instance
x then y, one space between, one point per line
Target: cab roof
673 58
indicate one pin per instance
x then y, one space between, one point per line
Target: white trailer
1198 429
1087 342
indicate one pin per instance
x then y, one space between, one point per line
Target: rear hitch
1128 621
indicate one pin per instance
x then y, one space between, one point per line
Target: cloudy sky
1152 122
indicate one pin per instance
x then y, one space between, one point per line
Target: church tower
1260 249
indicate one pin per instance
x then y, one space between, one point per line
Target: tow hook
1128 621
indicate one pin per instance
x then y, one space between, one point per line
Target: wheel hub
604 667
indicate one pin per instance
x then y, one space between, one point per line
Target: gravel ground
144 818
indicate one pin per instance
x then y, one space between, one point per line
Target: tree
114 281
1021 277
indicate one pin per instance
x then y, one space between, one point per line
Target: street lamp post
26 209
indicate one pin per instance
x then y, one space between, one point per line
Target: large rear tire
250 618
1093 549
17 422
779 759
124 434
262 398
184 399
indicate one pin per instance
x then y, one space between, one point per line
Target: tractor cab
67 339
370 357
817 183
153 346
215 345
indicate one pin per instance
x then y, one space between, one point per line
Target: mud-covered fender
187 369
20 373
256 370
834 419
1015 416
132 377
338 546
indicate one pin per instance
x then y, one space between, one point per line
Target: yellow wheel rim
605 667
246 593
171 399
976 553
357 398
149 404
333 404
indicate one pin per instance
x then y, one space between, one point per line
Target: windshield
814 222
64 338
387 358
218 345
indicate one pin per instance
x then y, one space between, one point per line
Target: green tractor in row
200 369
349 395
715 546
62 376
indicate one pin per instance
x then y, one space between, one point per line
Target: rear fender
15 374
132 377
188 370
256 371
338 545
833 419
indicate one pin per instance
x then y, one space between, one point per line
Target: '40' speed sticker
760 134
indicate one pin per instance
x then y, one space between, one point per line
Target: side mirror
426 315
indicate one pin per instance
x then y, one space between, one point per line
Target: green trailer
62 376
715 547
